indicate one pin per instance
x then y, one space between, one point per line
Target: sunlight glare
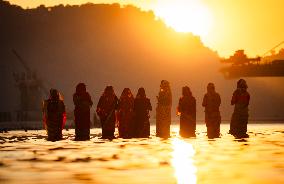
185 15
183 163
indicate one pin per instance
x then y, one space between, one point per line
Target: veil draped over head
54 94
165 86
109 91
242 84
81 88
126 93
186 92
211 87
141 93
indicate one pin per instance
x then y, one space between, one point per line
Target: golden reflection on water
183 162
257 159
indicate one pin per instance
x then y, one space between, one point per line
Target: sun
185 15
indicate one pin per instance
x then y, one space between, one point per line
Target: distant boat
265 66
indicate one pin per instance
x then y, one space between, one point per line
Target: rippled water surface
26 157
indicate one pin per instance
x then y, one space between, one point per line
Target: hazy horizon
123 47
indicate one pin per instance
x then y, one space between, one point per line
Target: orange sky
253 25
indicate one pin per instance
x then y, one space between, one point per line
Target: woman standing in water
54 115
240 99
163 110
125 113
106 108
83 102
212 102
142 106
187 111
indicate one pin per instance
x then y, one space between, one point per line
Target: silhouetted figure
83 102
212 102
163 110
125 113
187 111
106 111
142 106
239 121
54 115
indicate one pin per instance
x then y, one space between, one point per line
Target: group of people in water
131 114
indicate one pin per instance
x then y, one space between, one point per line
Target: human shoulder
247 94
205 95
217 94
236 92
88 95
61 102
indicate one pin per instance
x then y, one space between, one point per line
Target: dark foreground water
26 157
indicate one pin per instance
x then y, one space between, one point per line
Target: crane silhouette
29 70
265 66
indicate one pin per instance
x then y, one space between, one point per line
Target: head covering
141 93
81 88
165 85
109 91
126 93
53 94
210 87
186 91
242 84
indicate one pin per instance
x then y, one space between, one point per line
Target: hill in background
103 45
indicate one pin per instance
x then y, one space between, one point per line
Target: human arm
234 98
149 105
204 101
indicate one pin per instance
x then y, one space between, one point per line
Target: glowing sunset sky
223 25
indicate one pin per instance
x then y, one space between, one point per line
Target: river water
26 157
